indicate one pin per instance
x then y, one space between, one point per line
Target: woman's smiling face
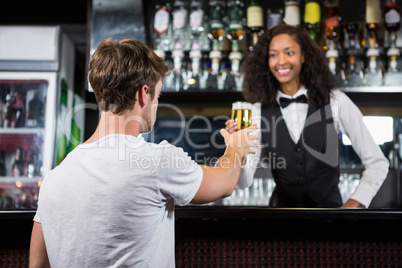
285 60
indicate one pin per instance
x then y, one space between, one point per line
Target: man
110 203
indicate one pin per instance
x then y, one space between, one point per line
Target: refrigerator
39 122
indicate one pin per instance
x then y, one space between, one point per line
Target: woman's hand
351 203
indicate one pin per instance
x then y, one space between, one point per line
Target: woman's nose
281 58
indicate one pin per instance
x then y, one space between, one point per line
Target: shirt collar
301 91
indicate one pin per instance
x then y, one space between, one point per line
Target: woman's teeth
283 71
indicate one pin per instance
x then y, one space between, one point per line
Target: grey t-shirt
111 203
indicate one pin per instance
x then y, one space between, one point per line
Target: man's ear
142 95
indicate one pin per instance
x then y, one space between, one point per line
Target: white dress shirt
347 119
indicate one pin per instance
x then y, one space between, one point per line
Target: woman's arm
375 163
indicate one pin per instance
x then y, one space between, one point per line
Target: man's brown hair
119 68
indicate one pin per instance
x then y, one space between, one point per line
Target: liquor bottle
392 19
373 21
236 29
332 27
216 27
374 75
235 34
197 31
392 15
216 33
274 17
180 37
196 24
162 24
255 21
17 169
292 13
312 17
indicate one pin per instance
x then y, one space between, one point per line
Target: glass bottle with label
255 21
373 22
312 17
162 25
374 75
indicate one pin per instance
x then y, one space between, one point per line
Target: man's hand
242 141
231 126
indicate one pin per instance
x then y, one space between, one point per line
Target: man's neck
109 123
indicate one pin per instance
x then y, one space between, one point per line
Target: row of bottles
354 44
25 164
204 42
355 47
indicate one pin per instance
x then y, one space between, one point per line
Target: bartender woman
301 111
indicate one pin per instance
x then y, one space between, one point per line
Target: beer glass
241 114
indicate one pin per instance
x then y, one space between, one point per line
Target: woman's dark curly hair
260 85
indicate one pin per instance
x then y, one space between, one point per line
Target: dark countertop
241 212
226 212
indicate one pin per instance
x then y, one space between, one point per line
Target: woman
301 112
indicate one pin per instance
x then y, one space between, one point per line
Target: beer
241 114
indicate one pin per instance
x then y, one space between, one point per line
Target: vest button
298 149
301 177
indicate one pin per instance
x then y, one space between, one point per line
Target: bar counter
263 237
222 236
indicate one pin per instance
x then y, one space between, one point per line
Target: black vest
307 173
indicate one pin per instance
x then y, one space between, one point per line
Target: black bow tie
286 101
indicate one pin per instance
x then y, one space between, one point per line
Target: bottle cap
332 53
312 13
373 52
393 52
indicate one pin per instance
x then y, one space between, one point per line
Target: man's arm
220 181
37 251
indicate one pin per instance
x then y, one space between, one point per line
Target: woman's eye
291 53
